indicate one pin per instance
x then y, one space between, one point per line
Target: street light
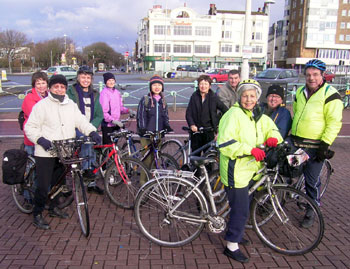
93 61
65 43
247 39
274 44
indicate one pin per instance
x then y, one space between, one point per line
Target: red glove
258 154
271 142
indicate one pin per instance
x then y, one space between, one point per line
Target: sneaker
308 220
88 174
244 242
237 255
56 212
40 222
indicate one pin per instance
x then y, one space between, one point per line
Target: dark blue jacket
281 117
147 116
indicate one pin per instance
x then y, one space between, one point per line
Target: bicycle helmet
85 69
249 84
315 63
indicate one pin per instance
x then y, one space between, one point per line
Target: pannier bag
13 166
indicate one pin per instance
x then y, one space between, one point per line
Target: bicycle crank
217 224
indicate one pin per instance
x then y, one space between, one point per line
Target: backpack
21 119
14 164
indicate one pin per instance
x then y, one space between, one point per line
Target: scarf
81 100
60 98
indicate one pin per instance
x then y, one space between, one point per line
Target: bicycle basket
67 150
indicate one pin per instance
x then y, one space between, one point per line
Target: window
342 25
203 30
300 12
301 2
160 30
160 48
347 38
298 39
226 34
299 26
292 28
202 49
237 48
182 14
343 12
226 48
258 36
257 49
182 30
182 48
349 12
348 25
345 1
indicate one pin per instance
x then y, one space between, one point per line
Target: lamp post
274 44
93 61
247 39
65 43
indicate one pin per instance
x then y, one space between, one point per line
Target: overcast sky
112 21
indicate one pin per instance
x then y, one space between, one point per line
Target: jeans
29 150
87 150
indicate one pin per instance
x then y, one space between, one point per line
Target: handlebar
201 130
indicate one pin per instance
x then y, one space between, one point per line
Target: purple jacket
112 105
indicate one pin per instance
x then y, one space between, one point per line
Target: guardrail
177 94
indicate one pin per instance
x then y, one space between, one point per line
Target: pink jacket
28 103
112 105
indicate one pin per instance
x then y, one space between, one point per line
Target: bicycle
121 179
171 210
67 152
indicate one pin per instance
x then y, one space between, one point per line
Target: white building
212 40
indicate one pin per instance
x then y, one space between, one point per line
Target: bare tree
11 41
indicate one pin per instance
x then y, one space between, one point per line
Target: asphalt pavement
116 242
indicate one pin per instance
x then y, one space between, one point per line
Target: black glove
323 152
46 144
142 132
96 137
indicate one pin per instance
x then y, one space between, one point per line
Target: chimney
212 9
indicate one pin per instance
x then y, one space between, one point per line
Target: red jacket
29 101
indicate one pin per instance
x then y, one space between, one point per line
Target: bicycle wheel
82 204
283 232
174 148
23 194
158 221
66 197
165 161
122 193
101 156
325 176
346 101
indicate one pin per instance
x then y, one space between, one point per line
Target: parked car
278 76
67 71
190 68
218 75
329 76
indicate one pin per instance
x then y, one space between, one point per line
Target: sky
114 22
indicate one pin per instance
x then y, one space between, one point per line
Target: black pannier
13 166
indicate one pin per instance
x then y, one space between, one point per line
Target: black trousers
198 140
106 139
48 170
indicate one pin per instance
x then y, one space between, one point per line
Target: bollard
173 93
195 85
100 85
3 75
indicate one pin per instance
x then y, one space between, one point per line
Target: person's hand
46 144
258 154
271 142
118 123
194 128
323 152
96 137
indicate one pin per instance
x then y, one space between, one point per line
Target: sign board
126 54
247 52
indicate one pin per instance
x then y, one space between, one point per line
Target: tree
100 52
11 42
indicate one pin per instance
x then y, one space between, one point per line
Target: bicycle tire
135 150
174 148
23 194
166 162
152 212
325 176
101 156
287 236
346 101
122 193
81 204
64 200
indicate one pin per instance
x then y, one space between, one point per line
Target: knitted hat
156 79
58 79
275 89
107 76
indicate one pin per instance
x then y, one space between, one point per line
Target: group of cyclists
233 116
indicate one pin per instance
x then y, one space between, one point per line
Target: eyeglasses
272 96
